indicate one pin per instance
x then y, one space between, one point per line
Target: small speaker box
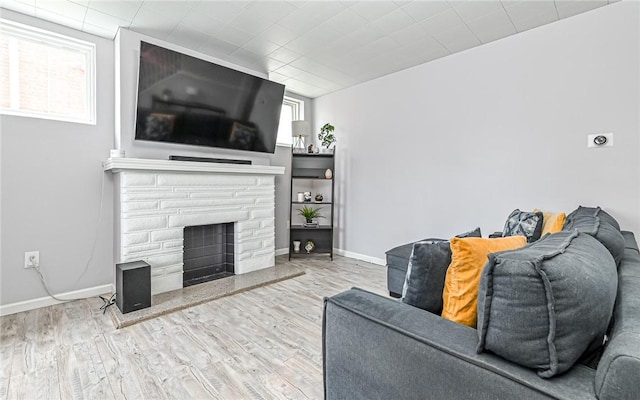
133 286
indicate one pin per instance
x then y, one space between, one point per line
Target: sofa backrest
618 373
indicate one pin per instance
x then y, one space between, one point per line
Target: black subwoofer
133 286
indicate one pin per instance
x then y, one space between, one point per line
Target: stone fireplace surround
156 199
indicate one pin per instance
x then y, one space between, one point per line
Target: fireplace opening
208 253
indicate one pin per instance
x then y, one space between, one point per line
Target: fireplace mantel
142 164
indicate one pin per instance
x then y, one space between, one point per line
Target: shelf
313 253
311 202
325 155
318 228
312 177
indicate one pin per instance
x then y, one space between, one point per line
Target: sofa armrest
378 348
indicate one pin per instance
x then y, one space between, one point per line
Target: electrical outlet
31 259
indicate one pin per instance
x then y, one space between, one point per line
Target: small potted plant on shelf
326 137
310 213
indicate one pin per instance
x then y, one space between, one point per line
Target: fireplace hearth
208 253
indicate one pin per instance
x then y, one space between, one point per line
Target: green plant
309 213
326 135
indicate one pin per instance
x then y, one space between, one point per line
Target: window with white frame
46 75
292 110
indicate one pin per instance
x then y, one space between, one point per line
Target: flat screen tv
184 99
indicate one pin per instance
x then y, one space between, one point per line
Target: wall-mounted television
184 99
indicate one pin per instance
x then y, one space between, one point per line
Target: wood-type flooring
261 344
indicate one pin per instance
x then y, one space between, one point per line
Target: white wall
51 182
461 141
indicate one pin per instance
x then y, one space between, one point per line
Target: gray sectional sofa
375 347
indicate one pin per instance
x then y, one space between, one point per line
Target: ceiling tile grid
313 47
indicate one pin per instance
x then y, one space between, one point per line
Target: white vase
328 173
296 246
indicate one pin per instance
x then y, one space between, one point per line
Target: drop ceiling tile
187 37
278 34
18 6
81 2
391 22
372 10
250 24
260 46
305 44
97 18
272 11
570 8
153 24
105 32
427 49
409 34
273 64
530 14
468 10
58 19
421 10
441 22
284 55
277 77
344 22
125 10
458 38
63 7
223 11
309 16
232 35
364 35
492 26
247 56
175 9
290 71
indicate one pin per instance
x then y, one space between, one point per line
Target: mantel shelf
116 165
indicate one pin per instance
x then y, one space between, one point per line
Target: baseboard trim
282 252
28 305
362 257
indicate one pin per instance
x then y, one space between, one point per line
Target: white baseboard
282 252
28 305
362 257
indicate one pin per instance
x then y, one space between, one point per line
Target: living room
433 150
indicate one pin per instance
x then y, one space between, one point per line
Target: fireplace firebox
208 253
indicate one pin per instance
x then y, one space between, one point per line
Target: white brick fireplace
156 199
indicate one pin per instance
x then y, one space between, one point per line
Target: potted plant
309 213
326 136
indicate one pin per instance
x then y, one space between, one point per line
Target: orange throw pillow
468 258
552 223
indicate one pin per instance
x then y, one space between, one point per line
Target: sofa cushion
427 267
397 262
551 223
617 376
523 223
593 212
544 305
597 223
468 257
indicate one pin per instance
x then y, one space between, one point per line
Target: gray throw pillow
523 223
598 224
593 212
424 281
543 305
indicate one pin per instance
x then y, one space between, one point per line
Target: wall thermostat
600 140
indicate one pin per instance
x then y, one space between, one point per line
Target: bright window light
292 110
46 75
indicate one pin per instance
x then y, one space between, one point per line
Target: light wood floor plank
265 343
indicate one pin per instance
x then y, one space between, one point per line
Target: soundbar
210 160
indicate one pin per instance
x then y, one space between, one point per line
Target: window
46 75
292 110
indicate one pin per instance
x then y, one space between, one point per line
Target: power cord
36 265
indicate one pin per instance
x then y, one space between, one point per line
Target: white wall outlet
600 140
31 259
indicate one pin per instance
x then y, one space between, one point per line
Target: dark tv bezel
197 145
